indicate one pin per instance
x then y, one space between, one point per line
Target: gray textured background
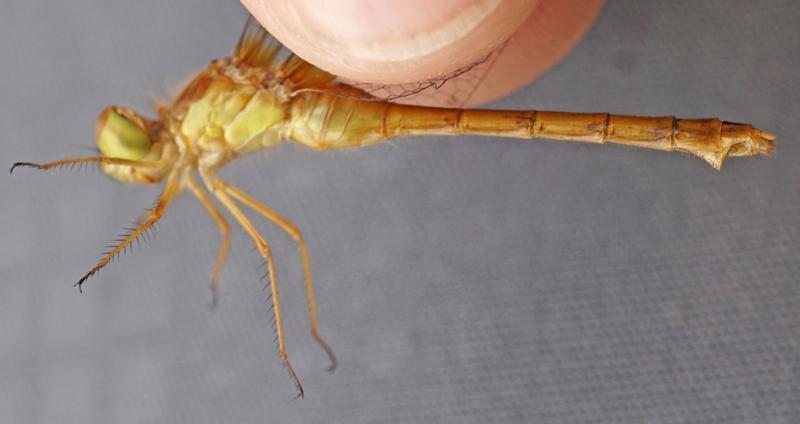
466 280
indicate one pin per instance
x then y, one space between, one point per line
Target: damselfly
264 95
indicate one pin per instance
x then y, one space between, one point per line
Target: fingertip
544 39
388 41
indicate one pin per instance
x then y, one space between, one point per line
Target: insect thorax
219 113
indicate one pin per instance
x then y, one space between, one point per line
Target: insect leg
216 186
224 229
91 159
170 191
295 233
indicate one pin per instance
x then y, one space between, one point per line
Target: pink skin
391 41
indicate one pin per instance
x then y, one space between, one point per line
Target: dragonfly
264 95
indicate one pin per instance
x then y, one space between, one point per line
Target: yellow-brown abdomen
325 121
322 121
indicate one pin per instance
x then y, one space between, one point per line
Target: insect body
263 95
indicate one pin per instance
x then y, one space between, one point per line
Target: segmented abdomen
324 121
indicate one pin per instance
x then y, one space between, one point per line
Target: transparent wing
452 90
259 49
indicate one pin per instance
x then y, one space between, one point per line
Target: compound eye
121 134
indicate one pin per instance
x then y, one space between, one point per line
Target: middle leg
216 186
224 229
295 233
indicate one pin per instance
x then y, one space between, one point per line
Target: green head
121 133
132 148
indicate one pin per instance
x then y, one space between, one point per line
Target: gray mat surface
464 280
